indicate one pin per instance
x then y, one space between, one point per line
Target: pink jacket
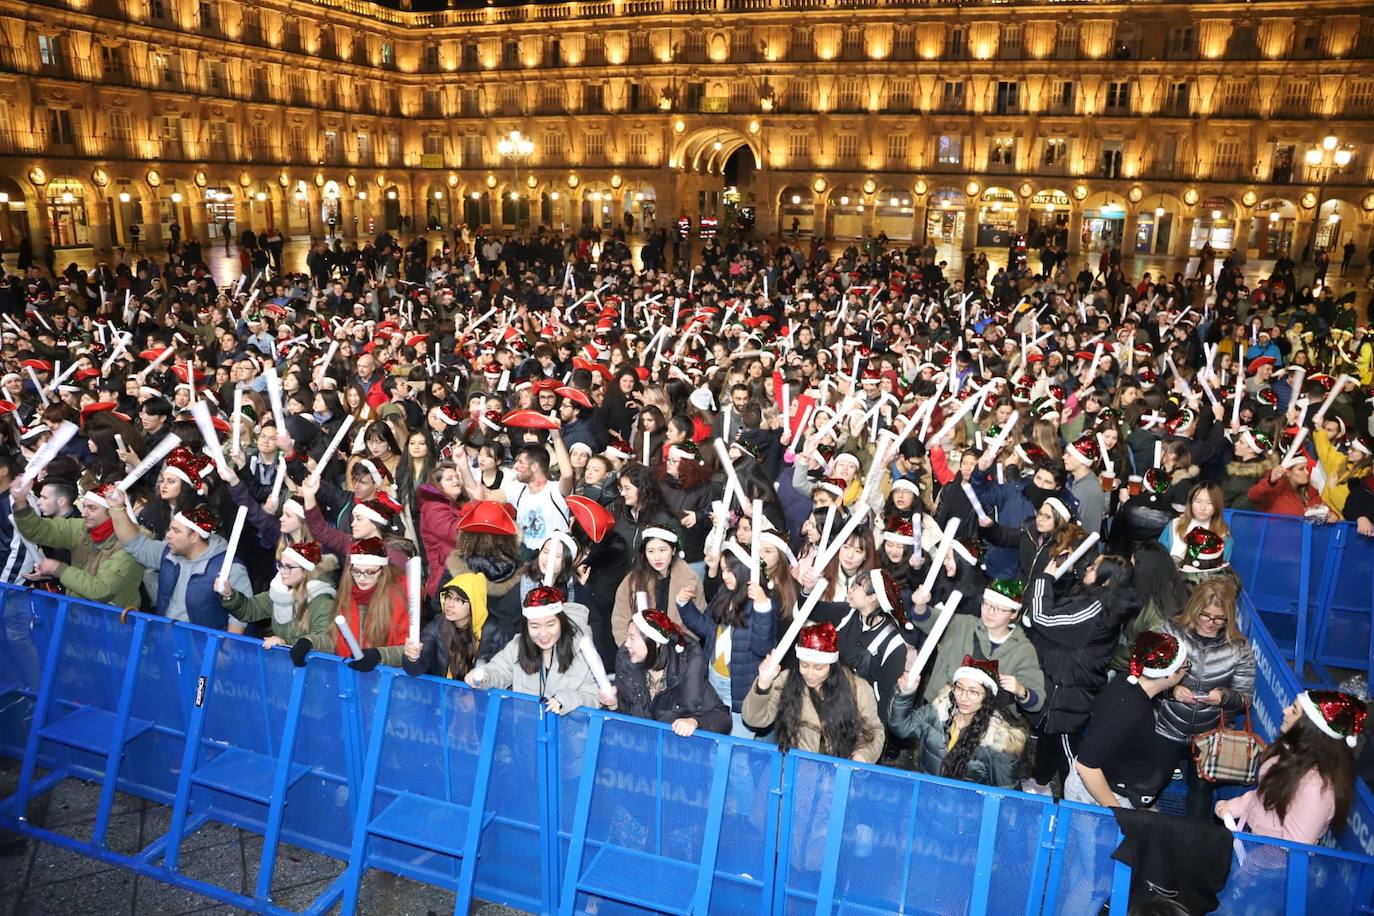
1309 812
438 532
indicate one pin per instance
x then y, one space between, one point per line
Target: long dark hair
842 729
462 641
956 762
1157 578
531 656
651 502
1302 748
731 608
1113 587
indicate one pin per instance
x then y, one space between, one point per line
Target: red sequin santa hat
1203 549
657 627
543 601
380 510
1155 655
189 467
199 519
1084 450
306 555
886 591
899 531
369 553
819 644
1338 715
982 671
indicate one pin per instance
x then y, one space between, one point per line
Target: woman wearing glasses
299 601
1222 679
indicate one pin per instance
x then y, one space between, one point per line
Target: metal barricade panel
23 646
1268 558
508 867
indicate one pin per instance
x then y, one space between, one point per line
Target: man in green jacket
100 569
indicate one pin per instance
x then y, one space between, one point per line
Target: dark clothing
1186 859
1120 740
685 693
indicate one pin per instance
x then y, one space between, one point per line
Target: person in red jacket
1289 491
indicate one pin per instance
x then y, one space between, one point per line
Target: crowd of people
843 503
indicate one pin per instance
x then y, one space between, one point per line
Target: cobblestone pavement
43 879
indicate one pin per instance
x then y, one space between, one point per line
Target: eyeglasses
366 572
968 692
1212 618
287 567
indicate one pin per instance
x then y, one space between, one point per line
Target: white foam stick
1295 386
1097 358
801 426
827 528
414 586
1108 466
974 501
824 558
65 374
756 543
928 647
279 480
1159 453
1292 452
594 663
333 447
731 481
1331 396
234 534
42 394
150 461
1240 386
44 456
119 442
328 356
799 619
786 402
840 413
726 414
941 551
200 412
274 399
236 419
963 410
348 636
1088 544
153 366
719 507
120 348
359 440
995 444
648 445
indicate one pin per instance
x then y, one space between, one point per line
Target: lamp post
1325 158
515 147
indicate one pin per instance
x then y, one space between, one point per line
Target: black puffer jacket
1074 637
698 501
685 693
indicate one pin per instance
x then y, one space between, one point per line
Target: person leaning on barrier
187 562
660 673
299 601
822 706
449 644
1307 777
961 733
1115 765
99 569
543 659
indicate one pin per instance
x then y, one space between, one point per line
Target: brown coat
760 710
680 576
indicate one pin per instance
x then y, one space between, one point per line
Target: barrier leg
987 847
591 753
770 826
787 793
1121 885
720 781
1325 605
467 874
1304 589
834 839
115 758
550 807
191 753
1043 851
353 875
281 780
40 713
1060 822
1297 882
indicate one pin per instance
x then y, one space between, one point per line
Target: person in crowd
661 575
452 640
543 660
820 706
1220 681
1116 765
962 733
1307 777
299 602
1288 490
1187 537
660 673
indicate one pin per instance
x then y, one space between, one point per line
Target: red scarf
398 630
102 532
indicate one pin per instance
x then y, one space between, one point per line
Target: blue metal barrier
1314 586
484 794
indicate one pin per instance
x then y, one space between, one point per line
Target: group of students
851 508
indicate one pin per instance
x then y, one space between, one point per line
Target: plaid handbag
1229 755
